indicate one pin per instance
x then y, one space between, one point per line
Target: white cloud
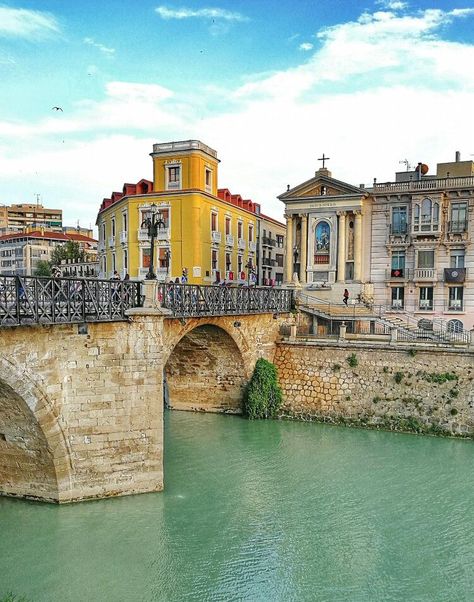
306 46
24 23
201 13
376 90
393 4
101 47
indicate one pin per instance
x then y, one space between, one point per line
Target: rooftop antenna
38 196
406 163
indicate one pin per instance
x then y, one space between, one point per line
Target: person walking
345 296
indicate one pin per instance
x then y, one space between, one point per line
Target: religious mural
322 242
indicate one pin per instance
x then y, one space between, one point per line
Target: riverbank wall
427 390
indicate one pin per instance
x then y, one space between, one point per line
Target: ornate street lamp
152 223
295 258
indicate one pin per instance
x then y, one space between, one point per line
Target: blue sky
271 85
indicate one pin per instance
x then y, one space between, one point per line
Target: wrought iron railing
26 300
189 300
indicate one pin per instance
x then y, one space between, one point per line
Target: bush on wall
262 397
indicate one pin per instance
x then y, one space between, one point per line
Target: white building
403 245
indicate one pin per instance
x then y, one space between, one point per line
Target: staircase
406 324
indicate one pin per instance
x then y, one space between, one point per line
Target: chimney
458 156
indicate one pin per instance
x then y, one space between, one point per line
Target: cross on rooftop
324 159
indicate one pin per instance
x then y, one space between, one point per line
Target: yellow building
211 238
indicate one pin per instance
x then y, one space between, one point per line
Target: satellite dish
423 168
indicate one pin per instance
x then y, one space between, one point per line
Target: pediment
321 186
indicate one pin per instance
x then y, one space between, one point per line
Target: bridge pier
81 407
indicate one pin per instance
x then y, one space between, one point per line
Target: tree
43 269
263 397
70 250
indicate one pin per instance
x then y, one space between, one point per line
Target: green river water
270 510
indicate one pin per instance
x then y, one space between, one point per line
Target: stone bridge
81 405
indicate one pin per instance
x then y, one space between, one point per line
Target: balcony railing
163 234
398 229
229 240
111 241
455 305
457 227
425 227
216 236
425 274
241 243
252 246
123 236
432 184
425 305
269 242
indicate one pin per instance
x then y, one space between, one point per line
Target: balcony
123 237
455 305
269 242
252 246
142 234
241 243
101 246
425 228
399 234
457 230
216 236
425 305
163 234
111 241
229 240
401 274
426 274
397 304
267 262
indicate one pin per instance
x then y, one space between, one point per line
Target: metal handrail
28 300
193 300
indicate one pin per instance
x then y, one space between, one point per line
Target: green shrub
398 377
336 367
385 369
376 399
439 377
12 598
262 397
412 352
352 360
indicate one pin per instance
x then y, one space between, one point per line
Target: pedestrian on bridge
345 296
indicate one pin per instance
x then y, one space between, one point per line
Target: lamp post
152 223
167 261
295 258
249 268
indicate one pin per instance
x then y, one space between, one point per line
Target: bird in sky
57 109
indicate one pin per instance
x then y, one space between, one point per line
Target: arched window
322 240
455 326
426 216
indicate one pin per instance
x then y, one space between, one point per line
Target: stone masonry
81 415
430 390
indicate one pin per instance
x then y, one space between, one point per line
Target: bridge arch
34 457
206 368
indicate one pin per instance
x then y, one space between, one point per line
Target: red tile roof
47 234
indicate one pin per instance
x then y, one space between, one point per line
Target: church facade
404 245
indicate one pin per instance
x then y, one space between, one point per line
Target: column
289 248
304 247
358 246
341 247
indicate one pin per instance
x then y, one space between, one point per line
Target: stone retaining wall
430 390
